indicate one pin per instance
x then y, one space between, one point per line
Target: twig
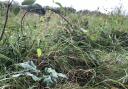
6 19
22 21
61 17
47 8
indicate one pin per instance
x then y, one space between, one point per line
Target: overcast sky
104 6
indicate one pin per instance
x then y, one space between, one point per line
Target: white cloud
91 5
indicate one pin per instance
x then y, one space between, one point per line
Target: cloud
104 6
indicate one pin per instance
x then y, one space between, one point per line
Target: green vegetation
93 52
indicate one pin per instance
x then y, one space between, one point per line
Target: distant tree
70 9
34 8
87 12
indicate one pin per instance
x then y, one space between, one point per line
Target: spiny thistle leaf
29 66
34 77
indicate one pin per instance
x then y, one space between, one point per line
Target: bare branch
6 19
22 21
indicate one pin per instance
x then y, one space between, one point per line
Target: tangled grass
93 52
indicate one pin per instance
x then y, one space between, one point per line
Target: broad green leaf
16 10
61 7
55 1
59 4
39 52
28 2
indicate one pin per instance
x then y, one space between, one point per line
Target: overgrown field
92 50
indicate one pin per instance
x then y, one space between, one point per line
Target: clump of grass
97 43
